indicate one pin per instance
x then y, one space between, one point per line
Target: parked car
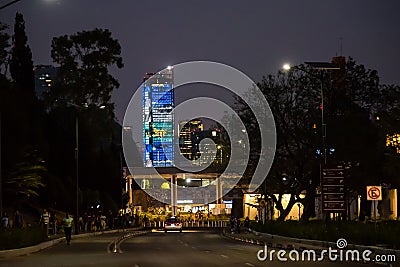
173 223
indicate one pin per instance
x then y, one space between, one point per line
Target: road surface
190 248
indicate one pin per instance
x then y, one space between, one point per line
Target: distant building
188 142
158 121
209 154
45 76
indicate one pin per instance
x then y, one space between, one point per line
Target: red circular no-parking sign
374 193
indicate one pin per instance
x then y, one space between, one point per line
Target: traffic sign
333 189
334 206
374 192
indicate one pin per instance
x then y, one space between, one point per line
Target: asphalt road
190 248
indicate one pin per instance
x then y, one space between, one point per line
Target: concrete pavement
54 240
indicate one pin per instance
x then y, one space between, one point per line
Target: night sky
256 37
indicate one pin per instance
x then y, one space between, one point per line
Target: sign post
374 193
333 190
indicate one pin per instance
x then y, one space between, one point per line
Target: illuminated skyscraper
158 121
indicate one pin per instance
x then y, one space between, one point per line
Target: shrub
354 232
24 237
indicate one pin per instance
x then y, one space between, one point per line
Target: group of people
235 224
49 219
15 222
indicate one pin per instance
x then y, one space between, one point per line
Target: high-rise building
158 120
188 142
45 76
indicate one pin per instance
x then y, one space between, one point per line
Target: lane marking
224 256
249 264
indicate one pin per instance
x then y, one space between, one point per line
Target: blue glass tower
158 121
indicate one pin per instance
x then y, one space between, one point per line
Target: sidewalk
54 240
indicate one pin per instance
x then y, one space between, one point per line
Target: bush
24 237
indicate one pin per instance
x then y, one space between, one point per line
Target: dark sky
256 37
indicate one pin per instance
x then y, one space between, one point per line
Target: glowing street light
318 66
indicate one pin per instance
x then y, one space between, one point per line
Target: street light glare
286 66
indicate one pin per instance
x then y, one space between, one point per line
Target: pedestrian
4 221
110 220
45 220
53 223
237 222
247 223
18 220
68 227
232 222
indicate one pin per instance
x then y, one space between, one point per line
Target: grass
386 233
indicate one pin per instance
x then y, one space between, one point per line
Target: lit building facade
188 142
45 76
158 121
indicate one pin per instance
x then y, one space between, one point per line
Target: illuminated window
393 141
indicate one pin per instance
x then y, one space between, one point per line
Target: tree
21 65
83 85
350 97
85 59
26 178
294 101
4 45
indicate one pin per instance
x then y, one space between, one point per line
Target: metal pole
323 126
77 174
1 177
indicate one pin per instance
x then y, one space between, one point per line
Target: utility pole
77 174
1 177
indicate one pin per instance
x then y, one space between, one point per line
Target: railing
190 224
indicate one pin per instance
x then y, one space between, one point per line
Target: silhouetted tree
352 135
21 65
83 90
85 59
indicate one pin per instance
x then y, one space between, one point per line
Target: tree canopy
85 59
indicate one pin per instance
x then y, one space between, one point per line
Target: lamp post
1 177
77 174
318 66
77 162
323 66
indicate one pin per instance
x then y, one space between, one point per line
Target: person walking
237 224
45 220
232 222
68 227
4 221
247 223
18 220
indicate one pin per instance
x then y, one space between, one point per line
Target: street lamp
1 177
318 66
85 105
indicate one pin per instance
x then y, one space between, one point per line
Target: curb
302 243
36 248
